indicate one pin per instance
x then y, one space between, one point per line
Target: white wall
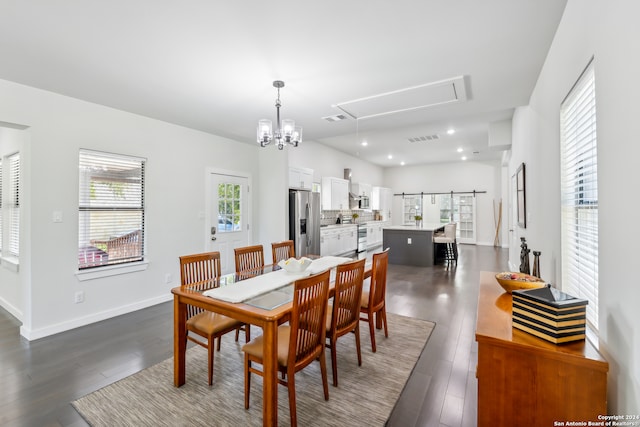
609 32
446 177
273 197
177 159
531 136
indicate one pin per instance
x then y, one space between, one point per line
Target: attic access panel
411 98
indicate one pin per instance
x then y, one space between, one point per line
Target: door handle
309 224
214 238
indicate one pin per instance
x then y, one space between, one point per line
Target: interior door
228 216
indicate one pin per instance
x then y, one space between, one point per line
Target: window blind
579 192
14 204
111 209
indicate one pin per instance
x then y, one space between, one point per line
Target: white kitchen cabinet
348 239
362 189
370 235
328 241
338 240
382 201
301 178
374 233
335 194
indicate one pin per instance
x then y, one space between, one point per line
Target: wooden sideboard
525 380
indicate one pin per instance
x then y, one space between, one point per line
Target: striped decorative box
549 314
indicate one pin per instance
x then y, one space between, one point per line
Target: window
13 205
229 213
111 209
579 192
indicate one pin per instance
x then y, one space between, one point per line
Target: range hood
354 199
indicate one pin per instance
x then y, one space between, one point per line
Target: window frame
133 259
579 193
12 206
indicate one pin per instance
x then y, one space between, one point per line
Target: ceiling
209 65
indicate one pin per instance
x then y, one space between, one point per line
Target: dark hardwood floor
39 379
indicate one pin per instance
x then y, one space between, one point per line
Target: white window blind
111 209
13 204
579 192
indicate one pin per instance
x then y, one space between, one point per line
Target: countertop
330 226
427 226
334 226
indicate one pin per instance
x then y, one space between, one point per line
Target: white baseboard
34 334
12 309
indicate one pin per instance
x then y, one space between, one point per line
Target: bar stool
449 240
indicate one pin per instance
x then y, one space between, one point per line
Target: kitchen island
410 244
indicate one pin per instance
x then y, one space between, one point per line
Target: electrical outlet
79 297
408 240
168 278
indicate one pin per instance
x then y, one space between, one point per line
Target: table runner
258 285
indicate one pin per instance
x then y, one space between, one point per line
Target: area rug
365 396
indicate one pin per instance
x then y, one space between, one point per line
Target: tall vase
536 264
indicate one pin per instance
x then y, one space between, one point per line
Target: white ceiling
210 64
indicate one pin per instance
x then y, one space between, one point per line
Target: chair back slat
308 318
197 272
282 250
249 258
348 292
378 287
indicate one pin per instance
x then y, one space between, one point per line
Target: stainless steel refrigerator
304 222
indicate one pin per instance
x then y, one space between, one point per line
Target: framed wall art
521 196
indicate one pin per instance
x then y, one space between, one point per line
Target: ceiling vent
441 92
425 138
336 118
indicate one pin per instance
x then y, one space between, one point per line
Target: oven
362 238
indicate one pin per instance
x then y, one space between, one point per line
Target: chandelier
286 132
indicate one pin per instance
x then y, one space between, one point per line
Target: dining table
267 309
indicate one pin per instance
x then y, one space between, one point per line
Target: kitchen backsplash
331 217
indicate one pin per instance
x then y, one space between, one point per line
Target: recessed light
451 131
401 163
364 143
389 157
459 150
464 157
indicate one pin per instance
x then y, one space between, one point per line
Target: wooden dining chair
344 315
248 258
198 272
282 250
373 300
299 343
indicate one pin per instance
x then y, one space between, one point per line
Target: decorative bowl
293 265
511 281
